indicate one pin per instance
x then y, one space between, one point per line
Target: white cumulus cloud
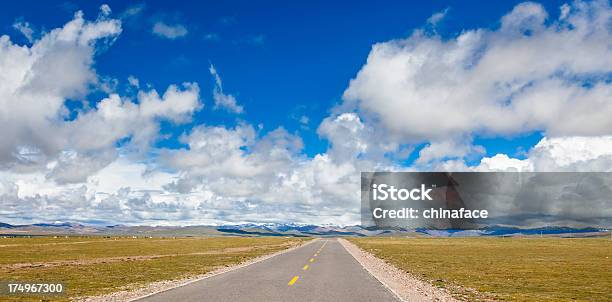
169 31
222 100
530 74
25 29
40 133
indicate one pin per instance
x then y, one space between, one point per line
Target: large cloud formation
37 81
49 149
94 161
532 73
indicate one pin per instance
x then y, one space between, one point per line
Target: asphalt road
320 271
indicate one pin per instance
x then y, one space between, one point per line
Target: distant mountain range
273 229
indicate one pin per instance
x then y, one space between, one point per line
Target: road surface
320 271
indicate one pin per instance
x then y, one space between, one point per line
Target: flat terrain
508 269
320 271
92 266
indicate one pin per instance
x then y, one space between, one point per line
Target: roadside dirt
115 259
52 243
402 284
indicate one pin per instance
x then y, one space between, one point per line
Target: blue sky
283 60
245 111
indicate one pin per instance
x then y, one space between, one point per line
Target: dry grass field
506 269
92 266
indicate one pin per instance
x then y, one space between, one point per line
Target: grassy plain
92 266
506 269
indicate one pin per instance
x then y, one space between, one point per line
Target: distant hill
274 229
6 225
505 231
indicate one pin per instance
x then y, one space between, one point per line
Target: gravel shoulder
157 287
402 284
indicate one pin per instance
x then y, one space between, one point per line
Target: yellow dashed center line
293 280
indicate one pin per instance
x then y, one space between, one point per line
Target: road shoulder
402 284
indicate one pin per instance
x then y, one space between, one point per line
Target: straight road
320 271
